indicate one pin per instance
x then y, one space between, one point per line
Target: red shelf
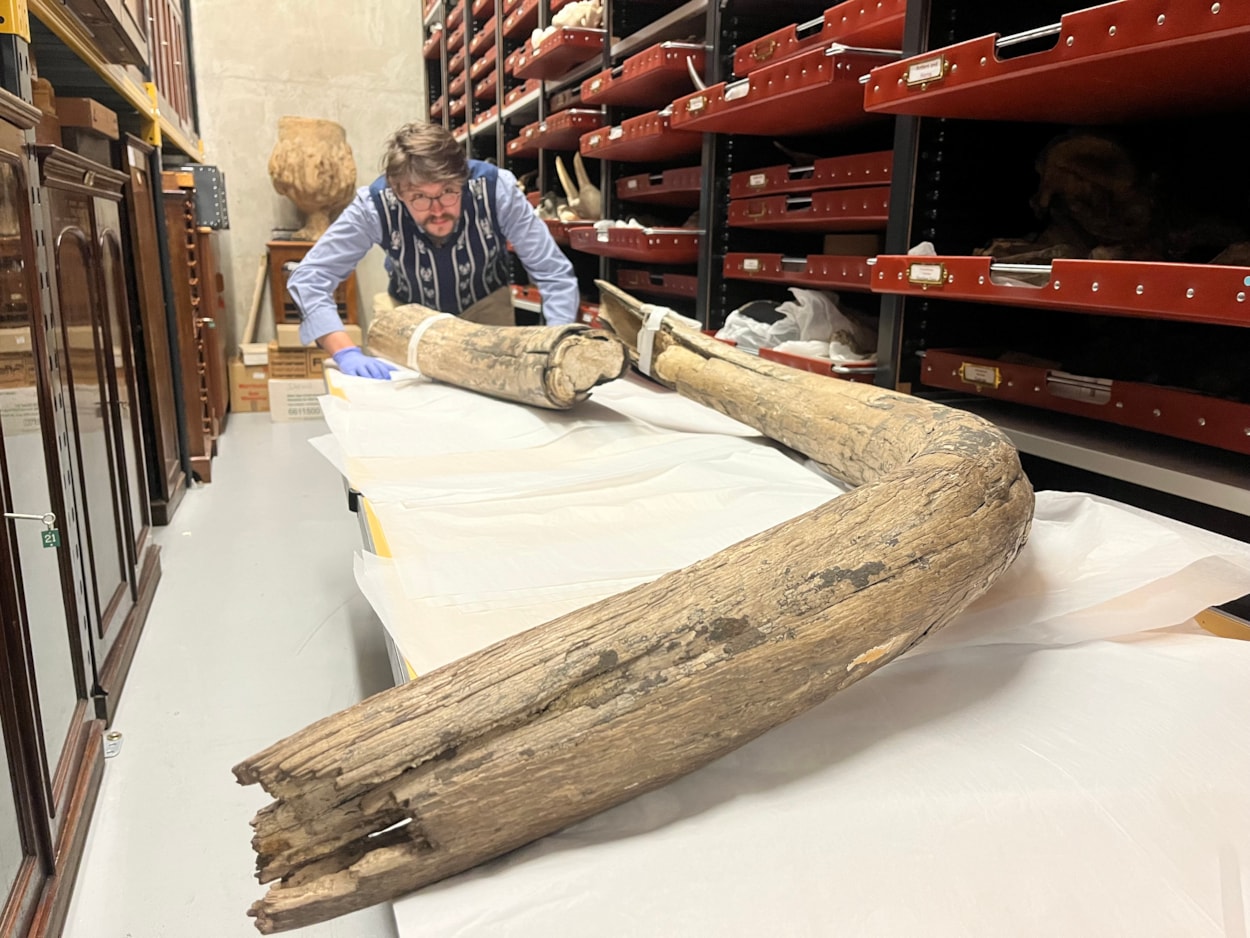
455 39
457 107
652 78
455 15
1185 415
1120 61
483 38
821 271
1188 292
830 210
647 245
455 65
485 116
559 52
848 371
431 48
436 109
481 67
809 93
517 93
560 230
558 132
456 87
679 187
685 286
482 7
647 138
526 294
838 172
485 90
878 24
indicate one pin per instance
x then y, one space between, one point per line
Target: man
445 222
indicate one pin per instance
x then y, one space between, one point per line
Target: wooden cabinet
48 723
196 335
154 372
98 367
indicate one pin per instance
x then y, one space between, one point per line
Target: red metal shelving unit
430 49
1178 413
861 169
1120 61
648 138
810 93
483 38
679 187
848 371
486 89
830 210
1186 292
558 132
878 24
481 67
646 245
560 230
566 47
652 78
683 286
817 271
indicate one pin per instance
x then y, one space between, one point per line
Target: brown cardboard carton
89 113
288 334
295 399
249 387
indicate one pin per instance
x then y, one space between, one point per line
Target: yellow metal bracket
15 19
152 120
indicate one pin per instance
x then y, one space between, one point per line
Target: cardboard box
295 399
17 370
255 353
19 411
89 113
249 387
852 245
288 335
16 339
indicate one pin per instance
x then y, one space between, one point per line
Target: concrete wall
356 62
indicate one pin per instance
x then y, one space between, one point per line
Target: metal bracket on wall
14 19
152 121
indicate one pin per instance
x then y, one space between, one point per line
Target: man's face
435 206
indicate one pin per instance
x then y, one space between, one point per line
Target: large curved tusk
620 697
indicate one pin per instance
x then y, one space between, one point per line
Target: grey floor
257 629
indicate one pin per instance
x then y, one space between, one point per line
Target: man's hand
352 361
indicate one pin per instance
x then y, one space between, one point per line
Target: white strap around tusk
416 337
646 338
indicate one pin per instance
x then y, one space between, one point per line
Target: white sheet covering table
1069 757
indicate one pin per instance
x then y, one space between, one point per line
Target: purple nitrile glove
352 361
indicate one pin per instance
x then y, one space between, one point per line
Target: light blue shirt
358 228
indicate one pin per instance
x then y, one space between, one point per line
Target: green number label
51 538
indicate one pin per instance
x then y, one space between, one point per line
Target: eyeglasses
423 203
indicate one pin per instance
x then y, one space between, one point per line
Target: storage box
89 113
17 370
249 387
19 410
299 362
288 335
295 399
16 339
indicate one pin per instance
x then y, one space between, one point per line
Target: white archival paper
1062 759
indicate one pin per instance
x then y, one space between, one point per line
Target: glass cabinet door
88 358
122 390
42 573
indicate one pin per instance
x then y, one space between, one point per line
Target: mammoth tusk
622 696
